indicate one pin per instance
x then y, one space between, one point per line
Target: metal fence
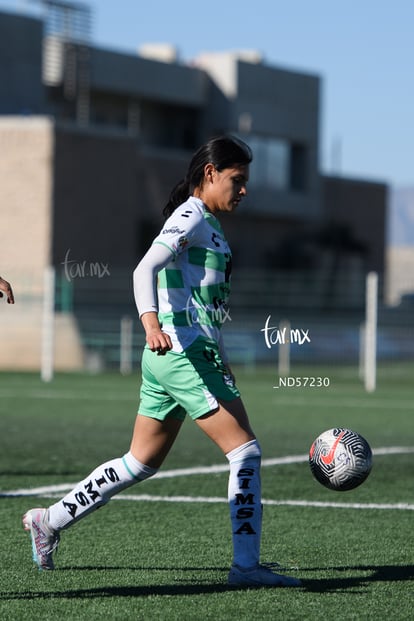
323 319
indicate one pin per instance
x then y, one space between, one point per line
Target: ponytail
179 195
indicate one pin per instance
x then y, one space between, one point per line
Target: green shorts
191 382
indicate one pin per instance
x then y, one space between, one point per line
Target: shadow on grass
382 573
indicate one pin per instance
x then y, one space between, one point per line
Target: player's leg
229 428
156 428
212 399
151 441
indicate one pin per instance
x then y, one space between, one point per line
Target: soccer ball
340 459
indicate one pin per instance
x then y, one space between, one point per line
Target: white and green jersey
193 288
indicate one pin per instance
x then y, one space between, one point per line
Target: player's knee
249 450
138 470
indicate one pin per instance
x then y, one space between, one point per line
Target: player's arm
146 299
6 287
179 232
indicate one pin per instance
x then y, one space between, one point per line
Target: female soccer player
181 289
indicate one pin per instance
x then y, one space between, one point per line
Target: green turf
162 560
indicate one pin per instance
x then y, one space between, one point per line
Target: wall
21 89
148 79
108 193
95 196
400 274
26 207
26 184
360 207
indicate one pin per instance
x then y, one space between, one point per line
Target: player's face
227 188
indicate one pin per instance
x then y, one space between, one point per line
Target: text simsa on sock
244 495
94 491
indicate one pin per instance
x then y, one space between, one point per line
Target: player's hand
6 287
159 342
156 339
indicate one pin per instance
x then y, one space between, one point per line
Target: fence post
284 348
126 346
370 345
361 366
48 325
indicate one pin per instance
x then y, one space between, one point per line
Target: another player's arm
6 288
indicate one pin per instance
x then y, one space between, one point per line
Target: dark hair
223 152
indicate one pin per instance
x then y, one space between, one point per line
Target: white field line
279 401
275 503
400 506
53 491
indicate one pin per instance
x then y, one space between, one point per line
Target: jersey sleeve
180 230
145 277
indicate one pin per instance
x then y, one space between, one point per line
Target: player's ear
209 170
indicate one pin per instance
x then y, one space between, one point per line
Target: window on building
277 164
270 165
298 167
168 126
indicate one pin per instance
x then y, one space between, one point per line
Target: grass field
162 550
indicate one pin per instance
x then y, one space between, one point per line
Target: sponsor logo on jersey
181 243
173 230
214 239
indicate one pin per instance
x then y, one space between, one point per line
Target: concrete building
93 140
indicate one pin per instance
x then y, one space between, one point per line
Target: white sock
95 491
244 495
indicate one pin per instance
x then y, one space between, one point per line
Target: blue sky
362 49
